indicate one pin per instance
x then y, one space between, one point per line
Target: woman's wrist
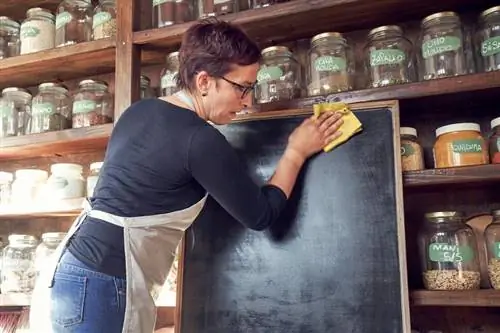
294 156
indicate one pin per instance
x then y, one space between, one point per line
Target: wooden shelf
14 300
482 298
78 140
69 207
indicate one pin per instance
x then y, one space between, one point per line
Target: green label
490 47
100 18
330 64
440 45
159 2
168 80
42 108
467 146
386 57
63 19
443 252
407 150
496 250
83 106
270 73
28 31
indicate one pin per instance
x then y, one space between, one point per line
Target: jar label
386 57
269 73
169 80
43 108
330 64
159 2
440 45
491 46
407 150
443 252
29 31
83 106
467 146
62 19
100 18
496 250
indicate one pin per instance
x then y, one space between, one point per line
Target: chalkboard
332 263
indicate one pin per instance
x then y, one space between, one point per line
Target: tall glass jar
9 38
104 20
44 251
51 108
8 118
442 44
492 242
92 104
279 75
209 8
448 252
37 31
412 154
146 89
168 12
489 38
168 81
331 64
22 103
74 22
18 271
388 57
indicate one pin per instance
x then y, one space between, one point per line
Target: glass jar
38 31
92 104
265 3
168 81
51 108
279 75
44 250
412 155
442 45
93 177
22 104
492 242
489 38
388 57
146 90
9 38
494 141
331 65
8 118
168 12
104 20
5 187
448 252
459 144
65 182
217 7
73 22
18 271
27 188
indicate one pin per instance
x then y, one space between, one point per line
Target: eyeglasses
244 89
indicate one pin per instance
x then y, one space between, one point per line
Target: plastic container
28 186
65 182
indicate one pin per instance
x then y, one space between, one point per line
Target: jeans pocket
68 299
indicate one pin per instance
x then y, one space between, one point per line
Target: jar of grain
92 104
209 8
93 177
22 104
331 64
388 57
492 243
168 81
65 182
412 154
9 38
448 252
73 22
45 250
442 45
27 188
37 31
279 75
51 108
18 269
8 118
146 89
104 20
459 145
5 187
489 39
494 141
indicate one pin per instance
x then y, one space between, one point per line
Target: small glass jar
168 81
92 104
38 31
489 39
331 65
412 155
279 75
22 104
51 108
93 177
448 252
494 141
168 12
5 187
265 3
442 45
65 182
27 188
104 20
8 118
217 7
18 270
73 22
492 243
45 250
146 89
9 38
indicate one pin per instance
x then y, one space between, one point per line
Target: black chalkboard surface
330 264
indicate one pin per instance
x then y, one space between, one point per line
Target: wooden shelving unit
474 298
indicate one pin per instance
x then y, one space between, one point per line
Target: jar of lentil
9 38
492 243
412 155
331 65
168 81
279 75
18 270
459 145
51 108
73 22
8 118
92 104
104 20
442 45
146 89
448 252
45 250
38 31
489 38
389 57
22 104
5 187
93 177
494 141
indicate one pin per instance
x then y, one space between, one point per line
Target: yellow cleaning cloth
351 124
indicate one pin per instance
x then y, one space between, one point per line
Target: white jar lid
458 128
495 122
33 174
96 165
6 176
66 167
408 131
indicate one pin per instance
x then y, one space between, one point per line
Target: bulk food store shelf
47 208
479 298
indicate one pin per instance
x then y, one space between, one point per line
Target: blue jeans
86 301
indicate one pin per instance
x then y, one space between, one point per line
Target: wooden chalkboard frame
393 107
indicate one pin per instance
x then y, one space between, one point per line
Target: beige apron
150 244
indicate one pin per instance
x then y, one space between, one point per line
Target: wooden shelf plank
7 300
482 298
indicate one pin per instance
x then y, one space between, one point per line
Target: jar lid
326 35
283 49
447 214
53 235
408 131
35 174
489 11
96 165
90 82
66 167
5 20
385 28
21 238
6 176
432 17
41 12
495 122
58 86
458 128
173 55
17 91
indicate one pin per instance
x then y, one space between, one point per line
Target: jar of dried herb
22 104
9 37
489 38
412 155
104 20
37 31
51 108
92 104
74 22
168 81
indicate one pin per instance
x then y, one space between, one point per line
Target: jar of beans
50 108
92 104
74 22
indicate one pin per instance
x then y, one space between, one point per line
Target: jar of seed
448 252
388 57
74 22
92 104
104 20
51 108
22 104
37 31
492 242
9 38
412 155
489 38
168 79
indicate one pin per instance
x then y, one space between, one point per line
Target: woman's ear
202 82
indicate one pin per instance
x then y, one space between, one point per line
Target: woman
162 161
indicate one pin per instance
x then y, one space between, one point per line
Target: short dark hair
213 46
